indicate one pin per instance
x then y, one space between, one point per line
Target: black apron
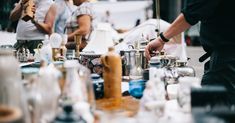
220 71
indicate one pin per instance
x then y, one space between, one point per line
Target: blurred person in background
80 23
31 33
107 18
64 10
217 37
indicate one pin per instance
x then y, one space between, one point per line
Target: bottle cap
111 49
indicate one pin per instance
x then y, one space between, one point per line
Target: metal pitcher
127 60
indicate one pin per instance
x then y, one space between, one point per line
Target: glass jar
136 88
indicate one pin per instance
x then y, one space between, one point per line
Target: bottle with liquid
78 40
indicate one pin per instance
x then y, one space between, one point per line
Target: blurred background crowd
123 15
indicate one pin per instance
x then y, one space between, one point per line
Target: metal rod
158 16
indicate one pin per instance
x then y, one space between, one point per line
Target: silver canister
144 61
184 70
128 58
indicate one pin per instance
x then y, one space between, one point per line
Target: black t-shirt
217 22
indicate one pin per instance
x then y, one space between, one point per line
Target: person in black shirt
217 36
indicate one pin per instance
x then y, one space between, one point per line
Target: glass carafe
85 77
74 89
49 90
12 96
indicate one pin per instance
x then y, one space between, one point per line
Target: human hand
154 45
28 4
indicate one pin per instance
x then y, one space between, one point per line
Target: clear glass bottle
78 91
12 96
74 90
48 80
85 76
136 69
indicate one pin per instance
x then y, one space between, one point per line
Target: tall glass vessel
12 97
136 69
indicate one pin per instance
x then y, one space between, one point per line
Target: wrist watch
163 37
34 21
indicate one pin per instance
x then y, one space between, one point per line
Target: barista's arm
47 25
84 22
178 26
16 12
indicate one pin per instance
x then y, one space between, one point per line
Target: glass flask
136 69
85 77
78 90
49 89
12 95
74 89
